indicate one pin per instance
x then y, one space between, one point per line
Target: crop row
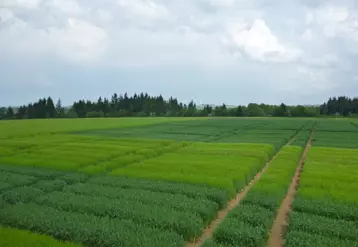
217 195
326 205
200 205
275 137
132 157
335 125
187 224
9 179
250 222
336 139
301 138
88 229
50 180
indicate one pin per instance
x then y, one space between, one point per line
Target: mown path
280 224
208 231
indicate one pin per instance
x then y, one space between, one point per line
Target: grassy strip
31 171
19 238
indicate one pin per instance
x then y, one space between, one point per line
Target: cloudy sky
212 51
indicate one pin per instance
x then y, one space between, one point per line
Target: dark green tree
50 108
60 111
254 110
281 111
9 113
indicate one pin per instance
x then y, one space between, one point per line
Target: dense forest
143 105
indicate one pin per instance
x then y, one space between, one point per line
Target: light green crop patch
228 166
326 201
20 238
330 174
46 126
87 154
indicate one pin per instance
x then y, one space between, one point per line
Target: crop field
325 211
178 182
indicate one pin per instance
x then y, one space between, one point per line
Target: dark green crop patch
87 229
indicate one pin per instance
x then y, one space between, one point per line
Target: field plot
228 166
108 211
84 153
12 129
336 133
250 222
270 131
190 131
326 208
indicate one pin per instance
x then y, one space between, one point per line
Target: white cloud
324 61
258 42
79 40
307 35
222 3
11 24
144 8
67 6
314 43
6 15
104 16
315 79
338 21
30 4
309 17
332 14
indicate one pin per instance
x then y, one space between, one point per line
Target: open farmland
178 182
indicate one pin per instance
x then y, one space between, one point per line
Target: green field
162 181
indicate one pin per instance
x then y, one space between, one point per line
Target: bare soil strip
207 233
280 224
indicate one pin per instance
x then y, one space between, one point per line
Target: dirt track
279 226
207 233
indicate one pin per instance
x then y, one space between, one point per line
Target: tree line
144 105
344 106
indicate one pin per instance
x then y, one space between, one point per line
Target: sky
210 51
